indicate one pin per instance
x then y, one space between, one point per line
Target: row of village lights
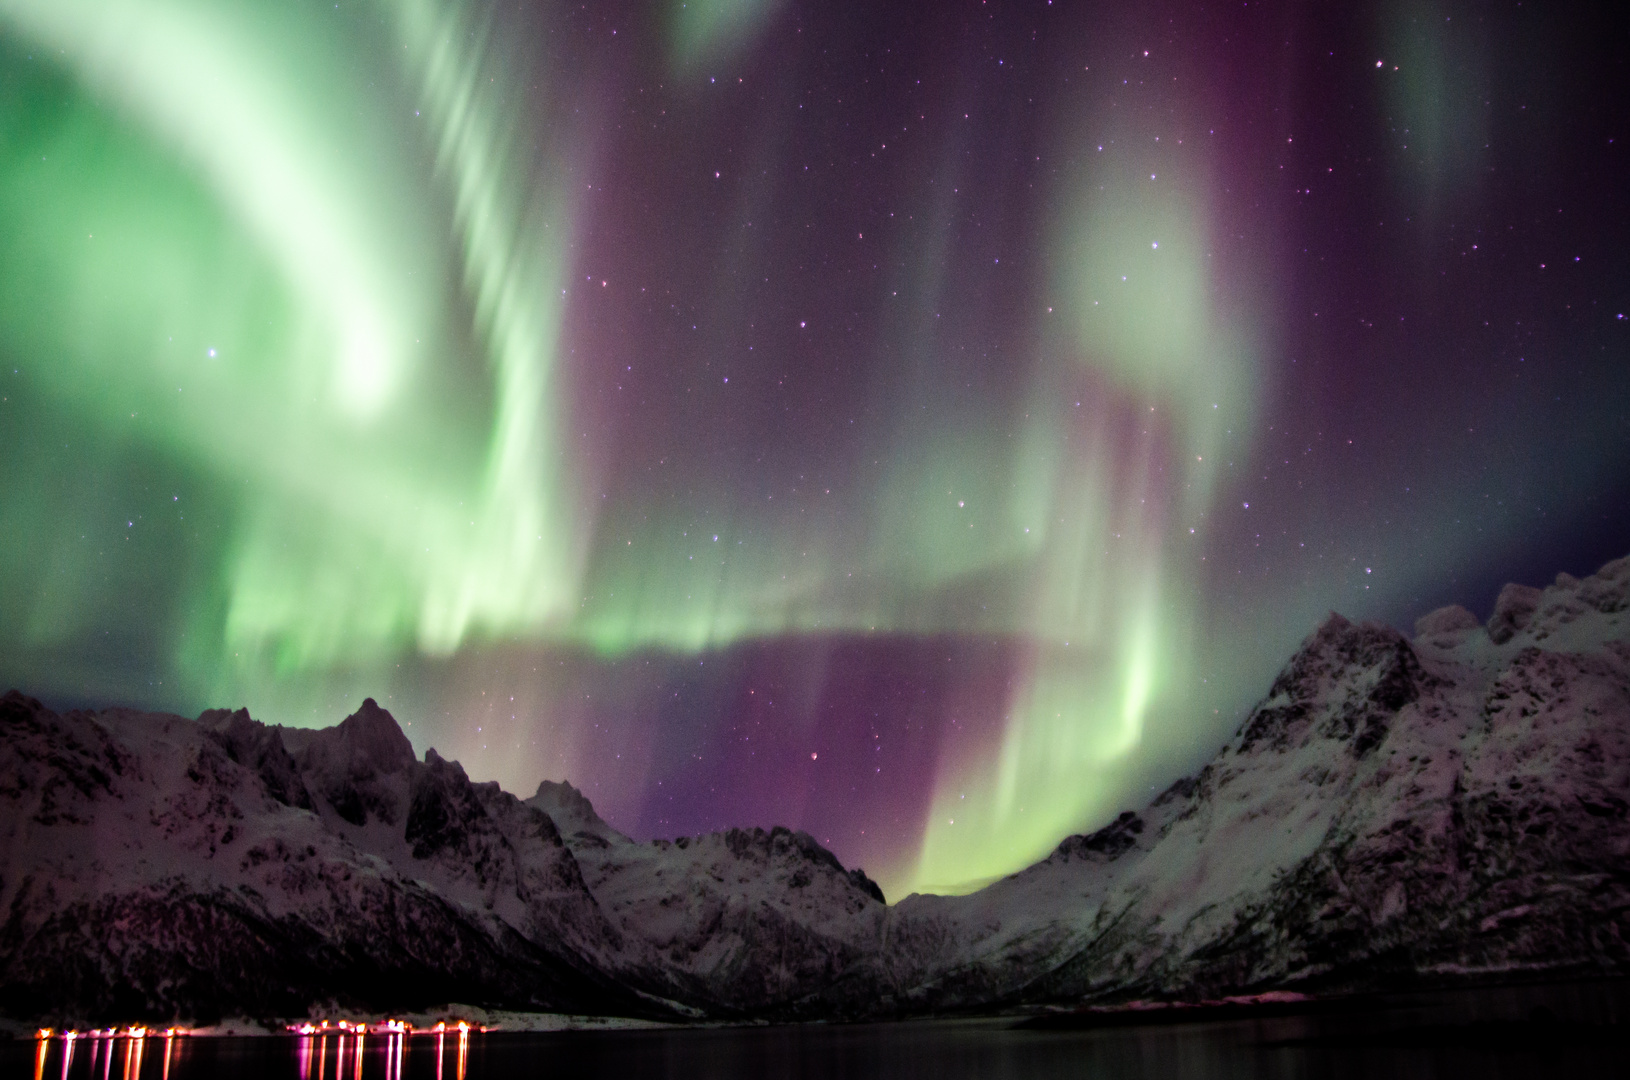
387 1027
132 1032
395 1033
135 1038
136 1035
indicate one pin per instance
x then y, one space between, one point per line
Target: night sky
927 425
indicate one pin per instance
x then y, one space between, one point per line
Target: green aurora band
333 325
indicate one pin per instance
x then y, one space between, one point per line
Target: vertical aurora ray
1141 376
1440 102
521 568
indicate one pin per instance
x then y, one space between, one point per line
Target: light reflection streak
133 1053
312 1043
104 1046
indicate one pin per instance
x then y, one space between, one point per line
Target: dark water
1575 1030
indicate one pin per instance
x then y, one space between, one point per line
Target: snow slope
1395 810
742 922
154 867
157 867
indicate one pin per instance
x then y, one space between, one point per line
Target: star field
927 425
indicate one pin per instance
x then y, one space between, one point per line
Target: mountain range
1397 811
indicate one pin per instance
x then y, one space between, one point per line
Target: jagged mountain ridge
157 867
1395 810
740 918
150 873
1448 806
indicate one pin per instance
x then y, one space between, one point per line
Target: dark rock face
259 749
1377 672
857 877
1109 842
444 815
162 954
346 764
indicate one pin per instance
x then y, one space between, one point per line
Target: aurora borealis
928 425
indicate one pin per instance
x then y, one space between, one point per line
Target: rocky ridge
1395 811
1441 807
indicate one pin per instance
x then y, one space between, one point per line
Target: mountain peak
373 733
571 810
344 763
1513 609
1446 625
1370 667
260 748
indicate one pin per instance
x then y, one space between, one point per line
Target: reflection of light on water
133 1053
311 1043
352 1044
104 1044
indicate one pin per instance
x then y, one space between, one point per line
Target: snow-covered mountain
153 866
1448 806
741 922
1396 810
